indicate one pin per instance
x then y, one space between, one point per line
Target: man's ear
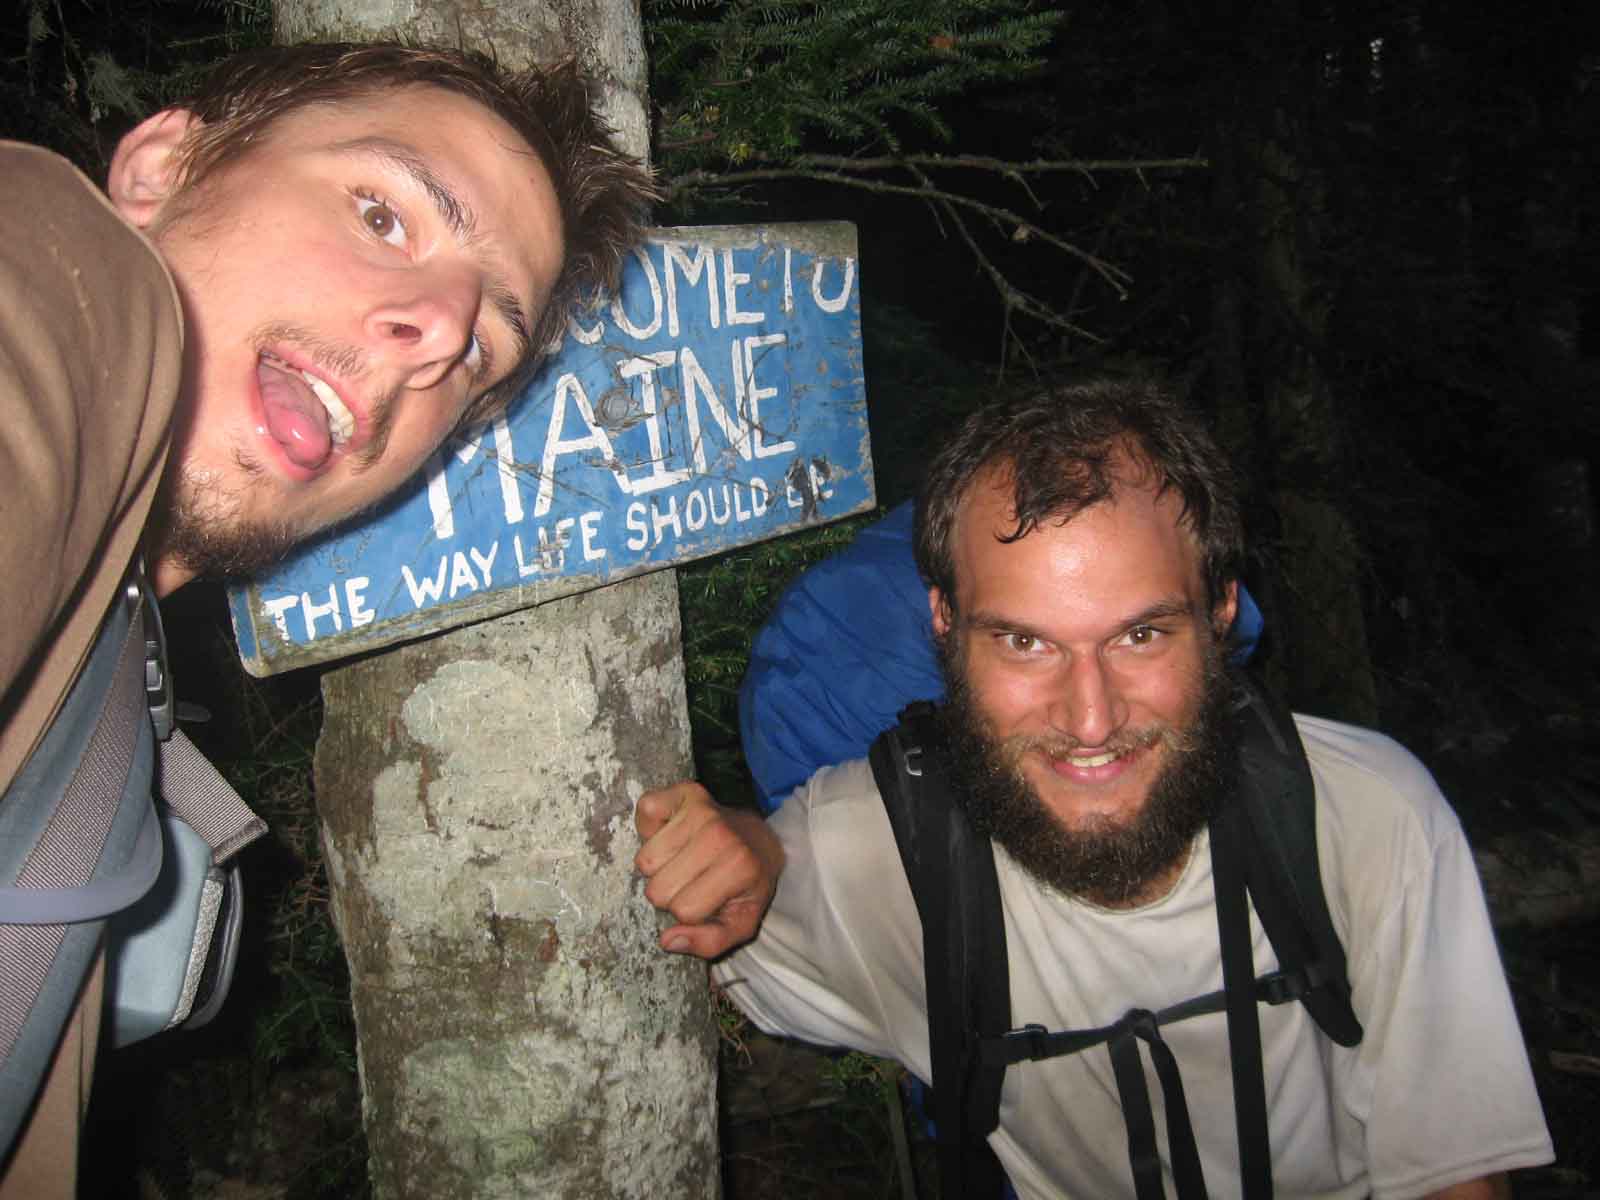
145 168
1227 608
940 612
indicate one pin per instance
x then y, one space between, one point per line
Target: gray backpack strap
170 957
81 841
78 837
197 792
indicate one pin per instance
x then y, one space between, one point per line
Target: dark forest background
1364 234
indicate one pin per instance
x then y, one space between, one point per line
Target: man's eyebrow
457 216
1162 610
453 211
510 309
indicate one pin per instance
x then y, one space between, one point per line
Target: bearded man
1081 550
297 284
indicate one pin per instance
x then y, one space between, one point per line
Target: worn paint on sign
717 401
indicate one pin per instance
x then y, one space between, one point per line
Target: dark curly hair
1059 450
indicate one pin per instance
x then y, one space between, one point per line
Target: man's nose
428 327
1088 704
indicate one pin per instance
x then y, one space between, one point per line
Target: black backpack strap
1228 872
1264 846
1278 849
952 877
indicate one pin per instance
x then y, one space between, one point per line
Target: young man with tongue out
298 283
1081 550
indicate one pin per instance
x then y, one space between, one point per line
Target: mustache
349 365
1124 741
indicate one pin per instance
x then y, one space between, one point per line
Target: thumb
706 941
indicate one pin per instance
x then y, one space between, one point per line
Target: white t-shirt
1437 1092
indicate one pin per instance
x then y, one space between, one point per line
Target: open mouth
1094 760
304 414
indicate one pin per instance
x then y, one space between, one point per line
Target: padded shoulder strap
1283 871
952 876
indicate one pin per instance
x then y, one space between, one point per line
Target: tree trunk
519 1032
1278 409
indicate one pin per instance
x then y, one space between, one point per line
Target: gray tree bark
519 1032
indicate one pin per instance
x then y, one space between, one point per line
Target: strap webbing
1140 1025
1244 1024
197 792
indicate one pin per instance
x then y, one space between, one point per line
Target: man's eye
1142 635
1021 643
478 358
381 220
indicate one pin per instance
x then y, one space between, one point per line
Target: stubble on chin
200 524
1113 864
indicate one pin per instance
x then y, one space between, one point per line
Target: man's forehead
395 107
987 517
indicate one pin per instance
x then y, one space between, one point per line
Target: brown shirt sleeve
91 349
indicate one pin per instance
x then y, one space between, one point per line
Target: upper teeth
1094 760
340 423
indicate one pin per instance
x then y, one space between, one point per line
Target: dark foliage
1383 286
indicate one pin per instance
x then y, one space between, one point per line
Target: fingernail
678 945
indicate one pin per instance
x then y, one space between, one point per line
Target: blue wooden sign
717 400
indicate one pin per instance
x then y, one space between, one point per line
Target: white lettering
551 556
485 565
563 539
704 260
644 370
278 610
638 531
819 480
661 520
620 316
505 464
727 507
312 611
731 279
585 337
524 566
697 383
755 393
838 302
589 528
694 522
555 445
439 506
461 575
425 590
355 599
758 495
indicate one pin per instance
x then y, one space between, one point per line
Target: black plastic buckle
157 678
1281 987
1036 1037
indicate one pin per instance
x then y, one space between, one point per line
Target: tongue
295 417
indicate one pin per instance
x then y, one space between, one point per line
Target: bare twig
946 205
1012 296
1001 166
925 189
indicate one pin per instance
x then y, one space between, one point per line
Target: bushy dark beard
198 527
1109 864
